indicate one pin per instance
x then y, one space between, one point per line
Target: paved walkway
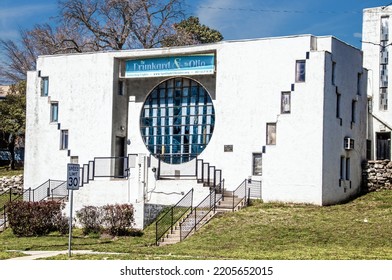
33 255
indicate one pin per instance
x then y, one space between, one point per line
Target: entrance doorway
383 145
119 165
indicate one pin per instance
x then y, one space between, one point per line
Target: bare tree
119 24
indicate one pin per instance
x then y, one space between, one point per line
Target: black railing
168 170
50 189
248 189
198 214
112 167
172 216
45 191
205 173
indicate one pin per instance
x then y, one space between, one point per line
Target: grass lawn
361 229
4 171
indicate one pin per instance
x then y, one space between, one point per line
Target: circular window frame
187 111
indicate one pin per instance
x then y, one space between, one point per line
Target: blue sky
235 19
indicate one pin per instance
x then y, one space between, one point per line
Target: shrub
90 218
36 218
118 219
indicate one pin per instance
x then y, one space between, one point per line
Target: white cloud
16 12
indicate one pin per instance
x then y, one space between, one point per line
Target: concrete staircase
186 227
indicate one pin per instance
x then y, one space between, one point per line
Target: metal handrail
181 210
194 219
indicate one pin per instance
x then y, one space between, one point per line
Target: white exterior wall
347 67
83 87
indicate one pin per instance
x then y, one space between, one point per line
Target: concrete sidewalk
33 255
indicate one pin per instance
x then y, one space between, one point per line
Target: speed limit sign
73 176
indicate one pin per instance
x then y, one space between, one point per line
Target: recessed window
121 87
300 71
342 164
383 99
64 140
347 168
257 164
333 73
44 86
54 112
177 120
338 101
286 103
359 82
271 133
353 111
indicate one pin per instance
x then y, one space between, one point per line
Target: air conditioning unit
348 143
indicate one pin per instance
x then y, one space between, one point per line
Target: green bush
116 219
90 217
36 218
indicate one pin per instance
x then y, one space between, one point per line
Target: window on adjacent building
286 103
383 99
271 133
300 71
257 164
54 112
64 140
44 86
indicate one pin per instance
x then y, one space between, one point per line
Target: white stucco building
289 112
376 45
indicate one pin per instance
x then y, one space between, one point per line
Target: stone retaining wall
14 182
378 175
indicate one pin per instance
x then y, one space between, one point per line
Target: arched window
177 120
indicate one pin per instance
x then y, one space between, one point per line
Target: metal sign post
73 178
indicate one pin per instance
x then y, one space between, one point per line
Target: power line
274 11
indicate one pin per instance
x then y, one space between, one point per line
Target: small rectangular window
257 164
359 82
338 101
300 71
271 133
383 99
333 73
120 87
353 111
342 163
64 140
54 112
286 103
44 86
347 168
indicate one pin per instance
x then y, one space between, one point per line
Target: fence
198 214
173 215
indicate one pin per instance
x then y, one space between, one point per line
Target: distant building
376 46
289 112
3 91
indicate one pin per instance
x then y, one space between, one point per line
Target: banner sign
202 64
